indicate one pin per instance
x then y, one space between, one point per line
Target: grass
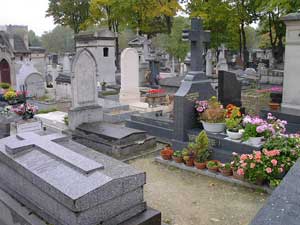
45 111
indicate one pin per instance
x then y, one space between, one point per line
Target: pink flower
280 170
250 157
244 165
252 165
240 172
269 170
244 157
257 155
274 162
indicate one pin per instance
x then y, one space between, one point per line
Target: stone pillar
291 88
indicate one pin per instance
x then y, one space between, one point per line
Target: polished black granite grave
113 139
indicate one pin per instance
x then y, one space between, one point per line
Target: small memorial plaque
29 127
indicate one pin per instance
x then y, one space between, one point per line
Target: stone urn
213 127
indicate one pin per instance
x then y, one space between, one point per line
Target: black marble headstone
194 87
229 89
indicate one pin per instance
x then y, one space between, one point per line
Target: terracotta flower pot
189 162
213 169
274 106
177 159
200 166
226 172
238 177
166 157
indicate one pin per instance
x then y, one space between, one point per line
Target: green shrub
4 85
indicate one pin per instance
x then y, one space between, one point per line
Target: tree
72 13
271 24
173 43
59 40
34 40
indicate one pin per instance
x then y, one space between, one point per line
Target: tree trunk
244 41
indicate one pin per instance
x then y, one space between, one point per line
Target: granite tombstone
66 183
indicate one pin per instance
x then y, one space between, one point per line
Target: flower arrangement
156 91
10 95
233 118
27 111
211 111
267 165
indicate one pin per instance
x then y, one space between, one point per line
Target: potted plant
233 122
10 96
188 157
225 169
201 148
255 130
177 156
212 115
213 165
167 153
237 170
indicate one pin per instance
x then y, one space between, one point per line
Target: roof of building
63 78
292 17
19 45
37 49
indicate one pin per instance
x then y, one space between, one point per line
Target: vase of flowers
212 115
233 122
26 110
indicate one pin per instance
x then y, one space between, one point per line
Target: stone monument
64 182
209 68
85 106
291 89
222 63
195 85
102 45
130 92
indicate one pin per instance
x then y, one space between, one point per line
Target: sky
26 12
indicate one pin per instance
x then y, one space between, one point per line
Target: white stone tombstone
85 108
291 88
66 64
35 85
222 63
130 92
209 57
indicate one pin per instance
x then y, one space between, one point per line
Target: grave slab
67 183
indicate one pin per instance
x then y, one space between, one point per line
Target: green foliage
34 40
66 120
177 154
59 40
211 164
45 111
250 131
4 85
72 13
172 43
201 147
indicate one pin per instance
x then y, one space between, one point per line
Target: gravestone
130 92
209 63
85 106
35 85
222 63
66 64
195 85
291 90
66 183
229 89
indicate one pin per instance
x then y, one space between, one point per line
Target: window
105 52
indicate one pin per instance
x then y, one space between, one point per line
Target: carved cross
47 144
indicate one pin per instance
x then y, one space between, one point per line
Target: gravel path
186 198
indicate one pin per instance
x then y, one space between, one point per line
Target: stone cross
198 38
47 144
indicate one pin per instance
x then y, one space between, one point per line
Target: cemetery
168 118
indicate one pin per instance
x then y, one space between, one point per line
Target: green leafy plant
10 95
66 120
201 147
234 118
226 166
177 154
211 164
4 86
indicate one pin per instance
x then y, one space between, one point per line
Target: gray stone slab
75 190
110 131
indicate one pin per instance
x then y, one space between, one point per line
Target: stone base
53 120
14 213
88 114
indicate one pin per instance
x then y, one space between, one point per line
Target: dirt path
185 198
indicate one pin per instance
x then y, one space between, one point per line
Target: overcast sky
26 12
